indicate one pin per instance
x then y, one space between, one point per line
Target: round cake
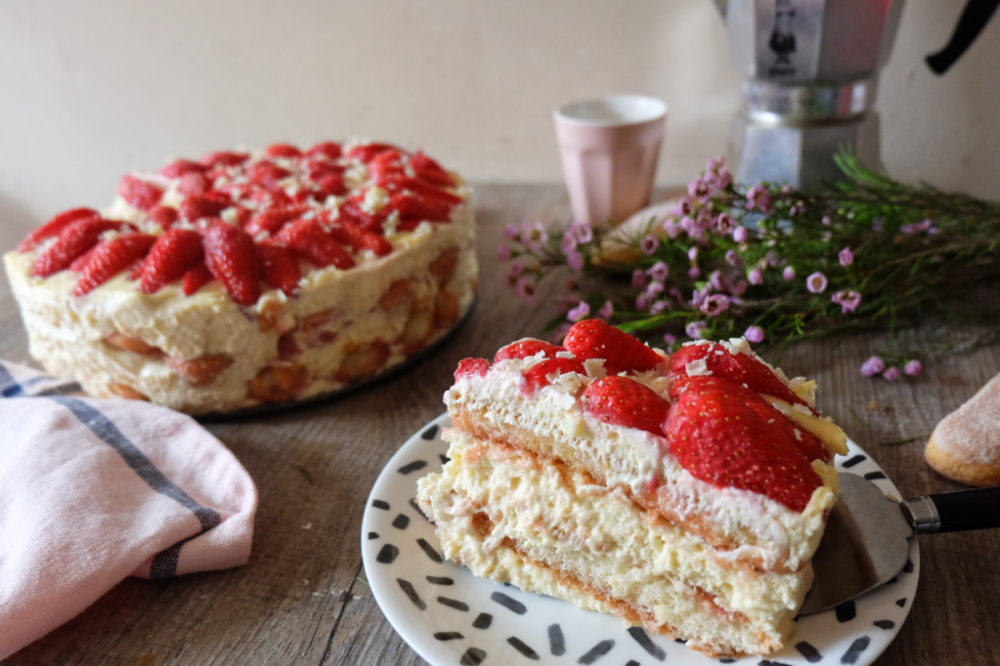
248 278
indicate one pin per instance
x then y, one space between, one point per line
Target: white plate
451 617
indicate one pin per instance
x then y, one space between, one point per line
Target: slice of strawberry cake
685 494
250 278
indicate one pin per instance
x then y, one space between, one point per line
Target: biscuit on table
965 445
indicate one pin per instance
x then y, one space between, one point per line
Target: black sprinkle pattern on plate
480 622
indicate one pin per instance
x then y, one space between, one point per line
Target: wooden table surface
302 597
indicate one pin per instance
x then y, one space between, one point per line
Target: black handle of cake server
972 509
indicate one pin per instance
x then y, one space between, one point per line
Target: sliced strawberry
327 149
140 193
366 152
468 367
715 435
538 375
178 168
231 257
527 347
415 208
109 258
224 158
353 209
273 219
426 190
196 278
279 267
625 402
270 198
73 241
267 175
386 164
739 367
207 205
310 240
164 216
595 338
173 254
54 226
328 182
350 233
282 150
429 170
193 183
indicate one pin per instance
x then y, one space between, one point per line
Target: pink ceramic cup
609 148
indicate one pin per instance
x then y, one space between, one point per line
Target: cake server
866 541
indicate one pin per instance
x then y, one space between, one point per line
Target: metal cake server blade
866 542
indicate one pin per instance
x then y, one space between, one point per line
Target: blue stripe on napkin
11 388
165 564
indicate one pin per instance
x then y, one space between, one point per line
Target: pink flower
724 224
733 259
892 374
847 300
715 304
755 276
503 252
574 260
581 311
510 231
754 334
694 329
533 235
669 338
816 283
698 189
642 302
872 366
659 271
582 232
649 244
758 198
788 273
913 367
526 290
693 253
694 273
639 278
658 307
606 310
567 243
740 234
916 227
846 257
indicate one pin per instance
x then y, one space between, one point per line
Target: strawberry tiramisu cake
248 278
685 494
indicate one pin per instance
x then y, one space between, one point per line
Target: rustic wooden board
302 598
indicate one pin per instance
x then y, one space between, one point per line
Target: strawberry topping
527 347
717 435
72 241
140 193
173 254
471 366
54 226
539 374
231 257
738 367
109 258
308 204
595 338
620 400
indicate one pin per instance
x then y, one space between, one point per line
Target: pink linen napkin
95 490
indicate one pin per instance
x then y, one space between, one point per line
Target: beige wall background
91 90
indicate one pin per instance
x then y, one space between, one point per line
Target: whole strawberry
717 436
739 367
595 338
527 347
625 402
